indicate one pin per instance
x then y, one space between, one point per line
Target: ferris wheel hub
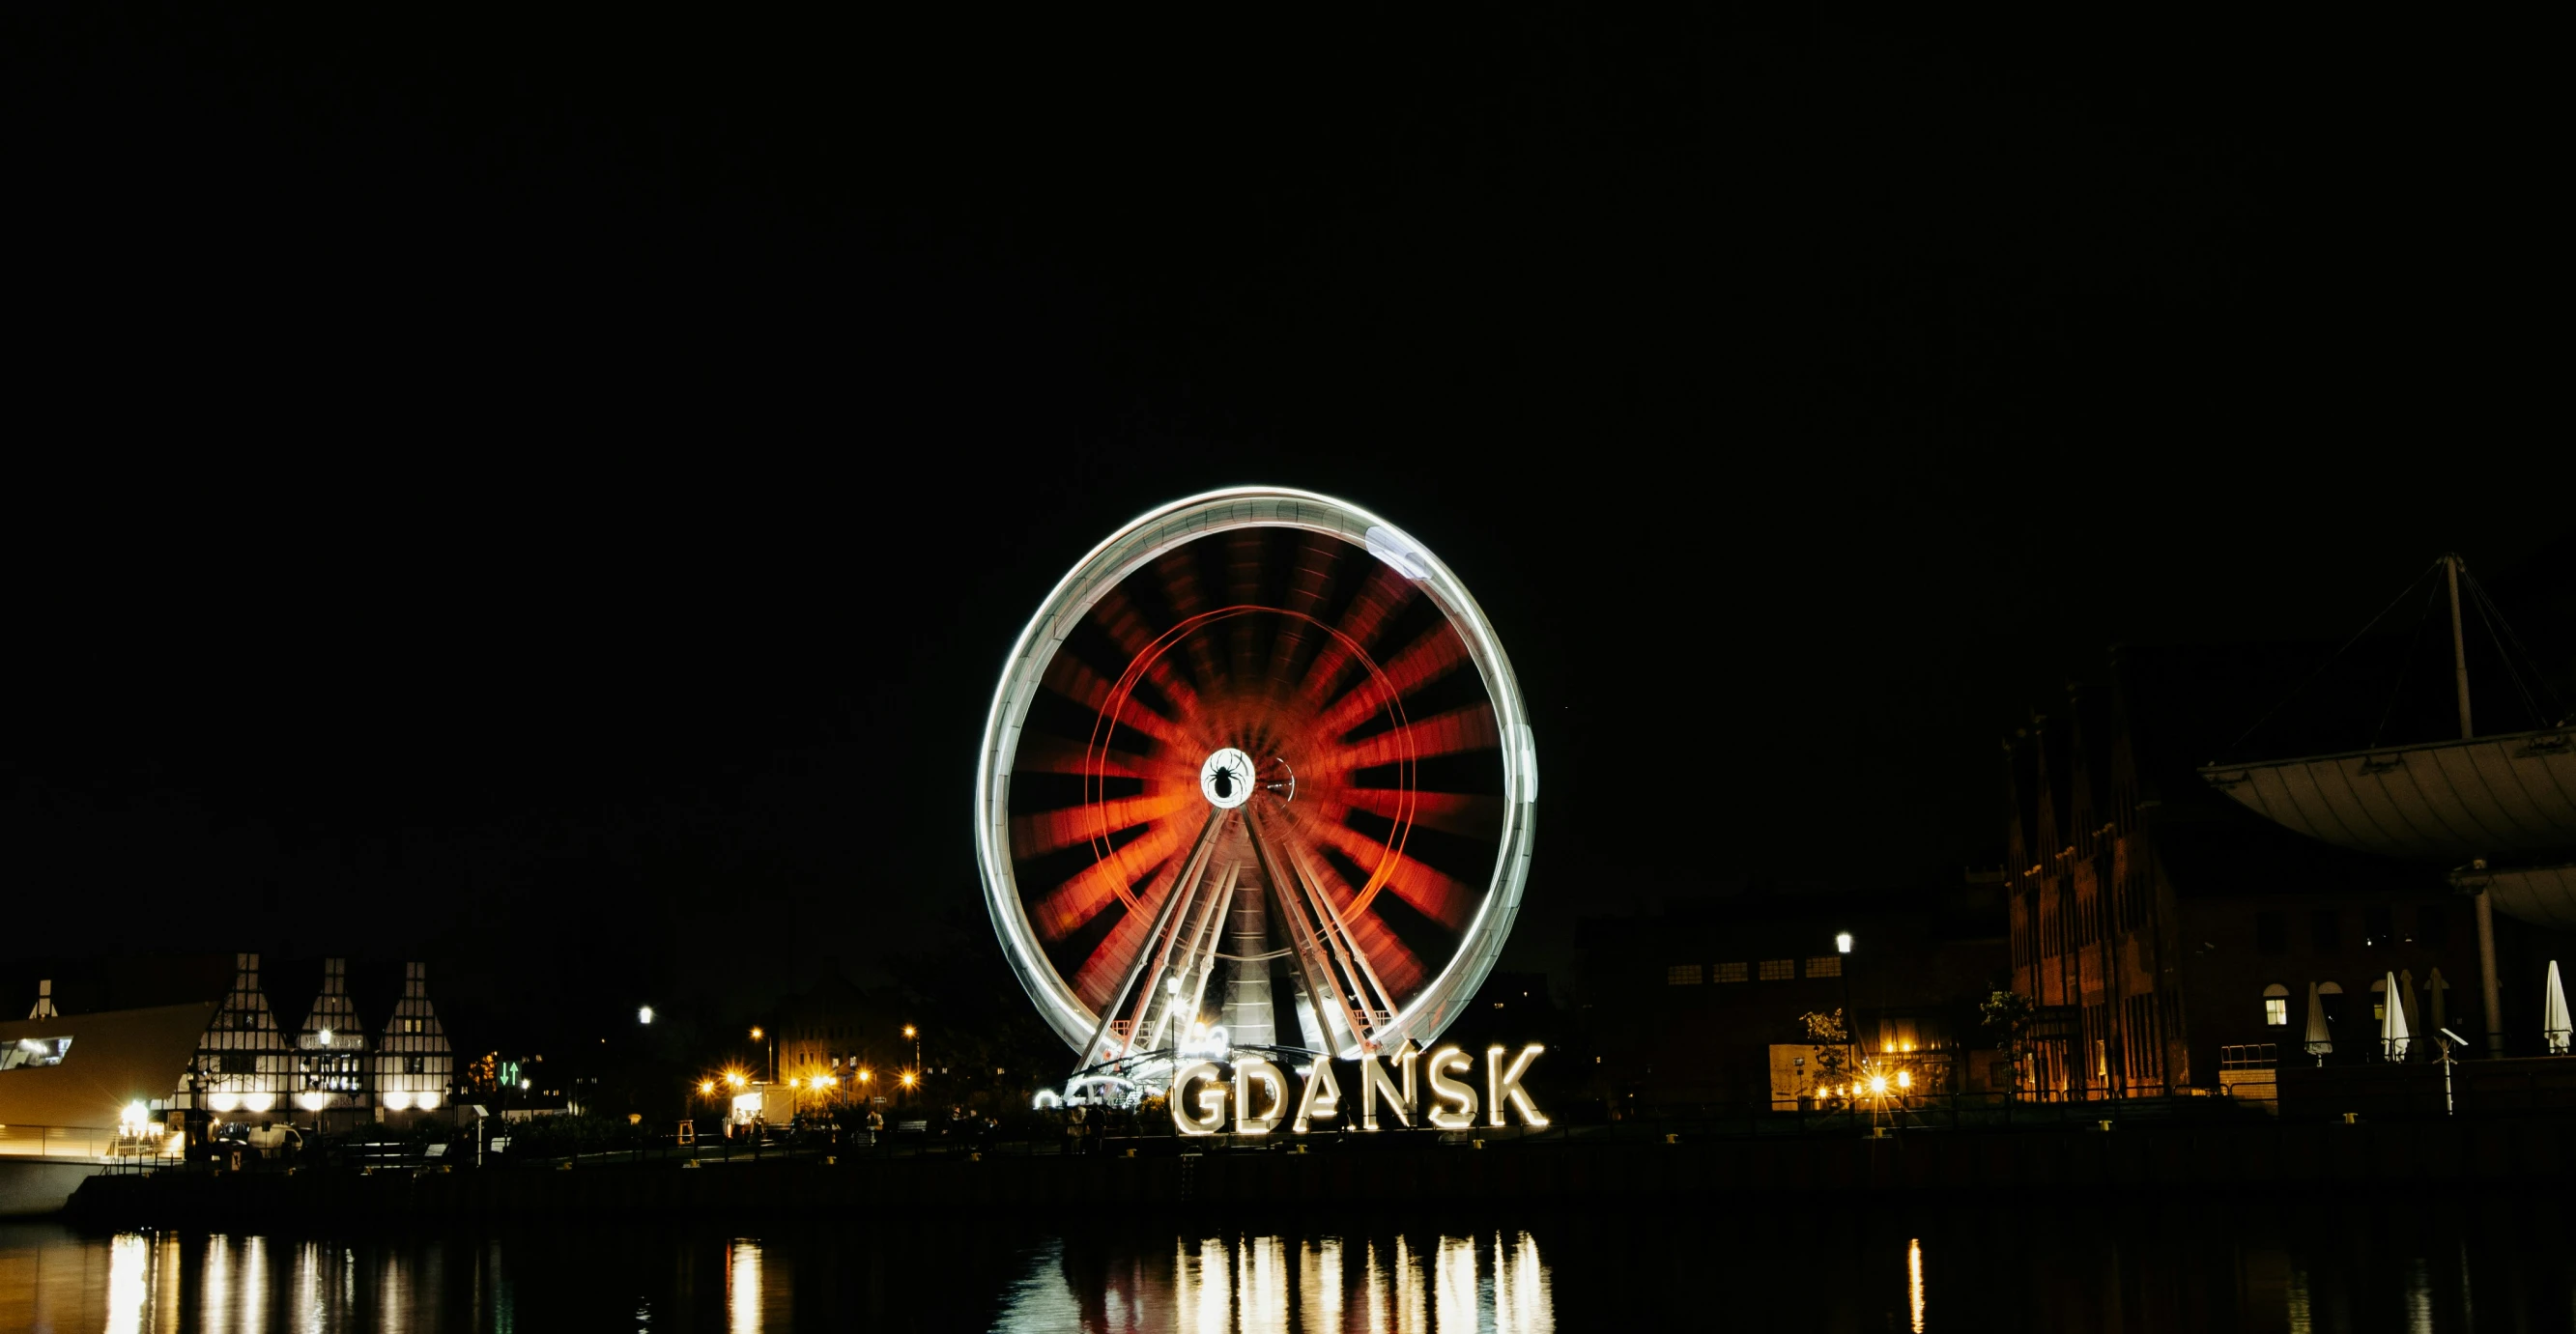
1225 778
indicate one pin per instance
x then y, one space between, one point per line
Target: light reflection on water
1253 1284
2331 1264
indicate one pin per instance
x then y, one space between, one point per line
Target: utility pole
2490 991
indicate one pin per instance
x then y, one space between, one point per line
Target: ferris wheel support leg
1197 958
1365 994
1314 965
1149 958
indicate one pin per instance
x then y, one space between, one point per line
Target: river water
2353 1263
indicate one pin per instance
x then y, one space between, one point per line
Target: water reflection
2433 1263
1256 1283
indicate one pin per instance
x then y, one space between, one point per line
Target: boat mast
2492 993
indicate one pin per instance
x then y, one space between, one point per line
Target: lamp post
1851 1022
913 1035
757 1035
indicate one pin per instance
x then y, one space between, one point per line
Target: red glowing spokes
1111 960
1270 709
1067 676
1036 835
1394 967
1055 755
1451 733
1473 814
1117 616
1073 903
1116 699
1436 654
1069 906
1310 586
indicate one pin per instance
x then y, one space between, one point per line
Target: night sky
553 492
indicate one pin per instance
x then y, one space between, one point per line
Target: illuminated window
27 1053
1825 965
1778 970
1682 975
1730 972
2276 1005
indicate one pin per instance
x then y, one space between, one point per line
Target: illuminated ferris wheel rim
1122 554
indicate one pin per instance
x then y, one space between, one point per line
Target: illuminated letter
1211 1101
1246 1071
1501 1084
1453 1104
1374 1081
1322 1096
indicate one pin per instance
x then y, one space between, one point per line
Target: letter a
1322 1096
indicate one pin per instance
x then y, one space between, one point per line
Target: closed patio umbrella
2394 1039
2320 1040
2553 1023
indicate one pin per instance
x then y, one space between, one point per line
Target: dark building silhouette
2171 938
1682 1009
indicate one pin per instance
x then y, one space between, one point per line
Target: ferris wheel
1257 777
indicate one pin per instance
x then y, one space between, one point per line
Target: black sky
557 487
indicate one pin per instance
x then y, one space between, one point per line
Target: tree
2006 1014
1832 1043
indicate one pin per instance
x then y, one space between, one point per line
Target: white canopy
2394 1039
2553 1010
2484 797
2320 1038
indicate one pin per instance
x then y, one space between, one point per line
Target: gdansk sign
1423 1084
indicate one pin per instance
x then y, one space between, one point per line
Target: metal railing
106 1145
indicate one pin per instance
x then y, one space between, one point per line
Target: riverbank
2257 1157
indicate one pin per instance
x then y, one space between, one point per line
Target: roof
2540 895
2495 796
116 1057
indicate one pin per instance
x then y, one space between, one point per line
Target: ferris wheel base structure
1257 779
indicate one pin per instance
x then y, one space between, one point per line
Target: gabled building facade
331 1048
243 1062
414 1065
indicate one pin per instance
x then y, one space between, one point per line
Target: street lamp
644 1014
758 1035
1851 1022
914 1036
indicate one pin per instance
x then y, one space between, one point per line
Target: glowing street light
644 1014
1842 943
706 1087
